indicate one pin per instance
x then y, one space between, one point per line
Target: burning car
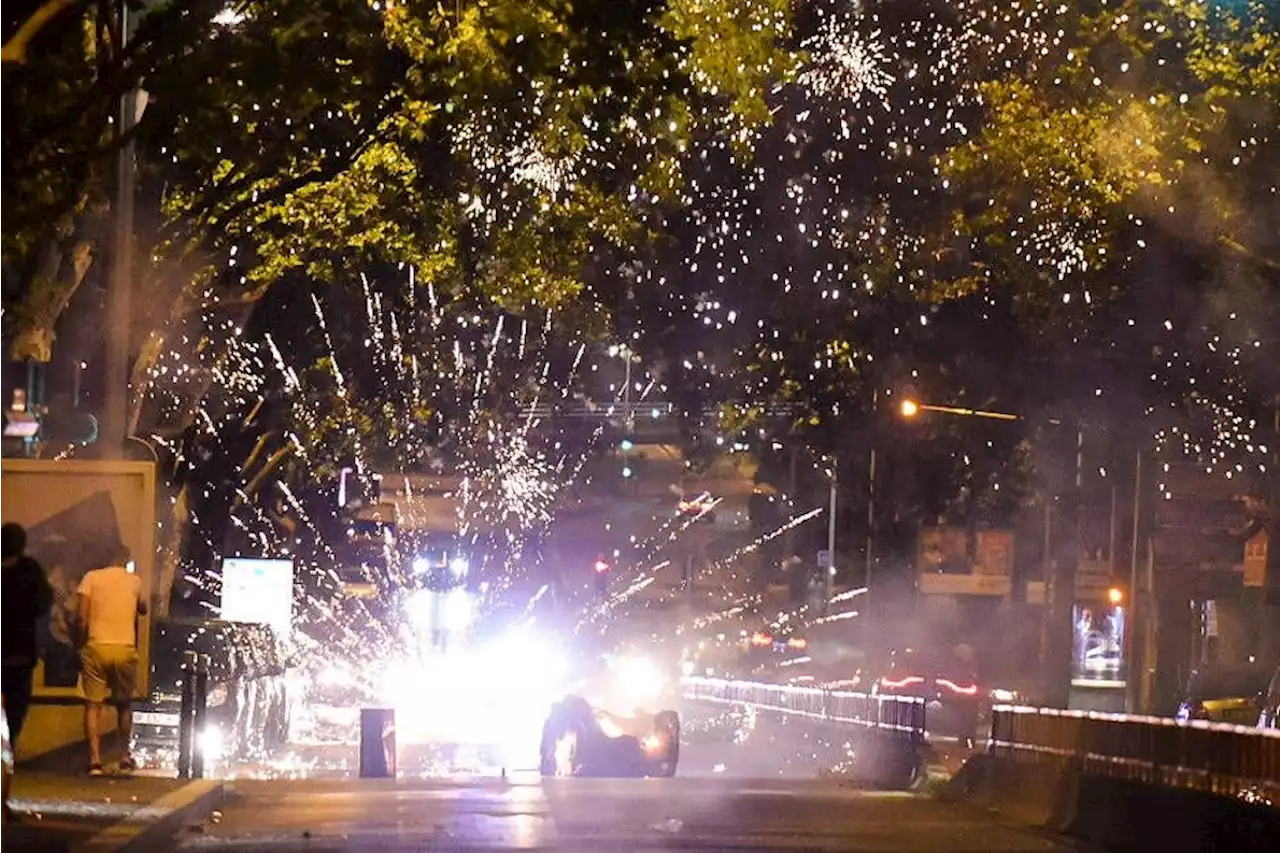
589 734
579 739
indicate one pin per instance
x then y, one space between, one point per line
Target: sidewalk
58 812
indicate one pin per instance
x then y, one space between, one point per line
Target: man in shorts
111 601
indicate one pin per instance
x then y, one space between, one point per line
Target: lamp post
1060 576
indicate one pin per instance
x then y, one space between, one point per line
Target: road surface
591 816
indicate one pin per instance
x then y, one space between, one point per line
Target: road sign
824 559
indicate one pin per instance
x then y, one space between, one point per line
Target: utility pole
1062 594
871 495
1139 607
120 292
1269 610
871 515
830 570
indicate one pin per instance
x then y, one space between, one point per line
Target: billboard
259 591
77 513
949 566
1099 645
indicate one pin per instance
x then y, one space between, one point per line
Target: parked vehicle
1226 694
248 712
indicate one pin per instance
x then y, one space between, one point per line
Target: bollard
199 716
377 743
186 715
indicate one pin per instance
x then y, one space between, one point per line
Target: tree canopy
487 143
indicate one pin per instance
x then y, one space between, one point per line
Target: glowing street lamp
912 408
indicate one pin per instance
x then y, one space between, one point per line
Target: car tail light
760 638
963 689
898 683
798 643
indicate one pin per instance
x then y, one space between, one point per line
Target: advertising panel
975 584
946 567
1255 560
77 515
1099 645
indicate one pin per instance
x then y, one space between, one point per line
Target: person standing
110 603
27 598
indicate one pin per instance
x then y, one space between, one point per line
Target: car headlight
1001 695
459 567
210 742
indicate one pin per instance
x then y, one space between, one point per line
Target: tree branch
1241 249
15 49
279 192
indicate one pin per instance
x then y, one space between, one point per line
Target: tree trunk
175 534
58 276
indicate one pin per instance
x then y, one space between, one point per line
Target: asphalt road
745 785
712 814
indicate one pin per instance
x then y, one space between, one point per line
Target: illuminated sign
259 591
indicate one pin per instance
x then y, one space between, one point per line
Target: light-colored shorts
108 673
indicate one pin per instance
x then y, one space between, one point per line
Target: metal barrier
901 714
1212 757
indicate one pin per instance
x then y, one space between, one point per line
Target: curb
161 819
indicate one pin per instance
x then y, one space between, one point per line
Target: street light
911 408
1061 587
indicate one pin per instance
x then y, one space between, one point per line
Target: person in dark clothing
27 598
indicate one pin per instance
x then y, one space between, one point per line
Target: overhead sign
258 591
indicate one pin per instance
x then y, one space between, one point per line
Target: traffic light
626 446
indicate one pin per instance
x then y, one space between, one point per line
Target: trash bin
377 743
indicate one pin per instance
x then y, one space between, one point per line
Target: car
1233 693
954 704
579 739
247 700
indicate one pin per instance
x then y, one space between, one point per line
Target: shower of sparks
766 285
846 64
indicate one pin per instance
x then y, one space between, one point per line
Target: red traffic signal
602 566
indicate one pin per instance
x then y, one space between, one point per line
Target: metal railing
1214 757
640 411
904 715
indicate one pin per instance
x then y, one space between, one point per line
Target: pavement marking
160 819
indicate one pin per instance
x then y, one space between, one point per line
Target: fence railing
1215 757
901 715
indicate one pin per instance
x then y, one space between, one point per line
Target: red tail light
897 683
760 638
798 643
965 689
